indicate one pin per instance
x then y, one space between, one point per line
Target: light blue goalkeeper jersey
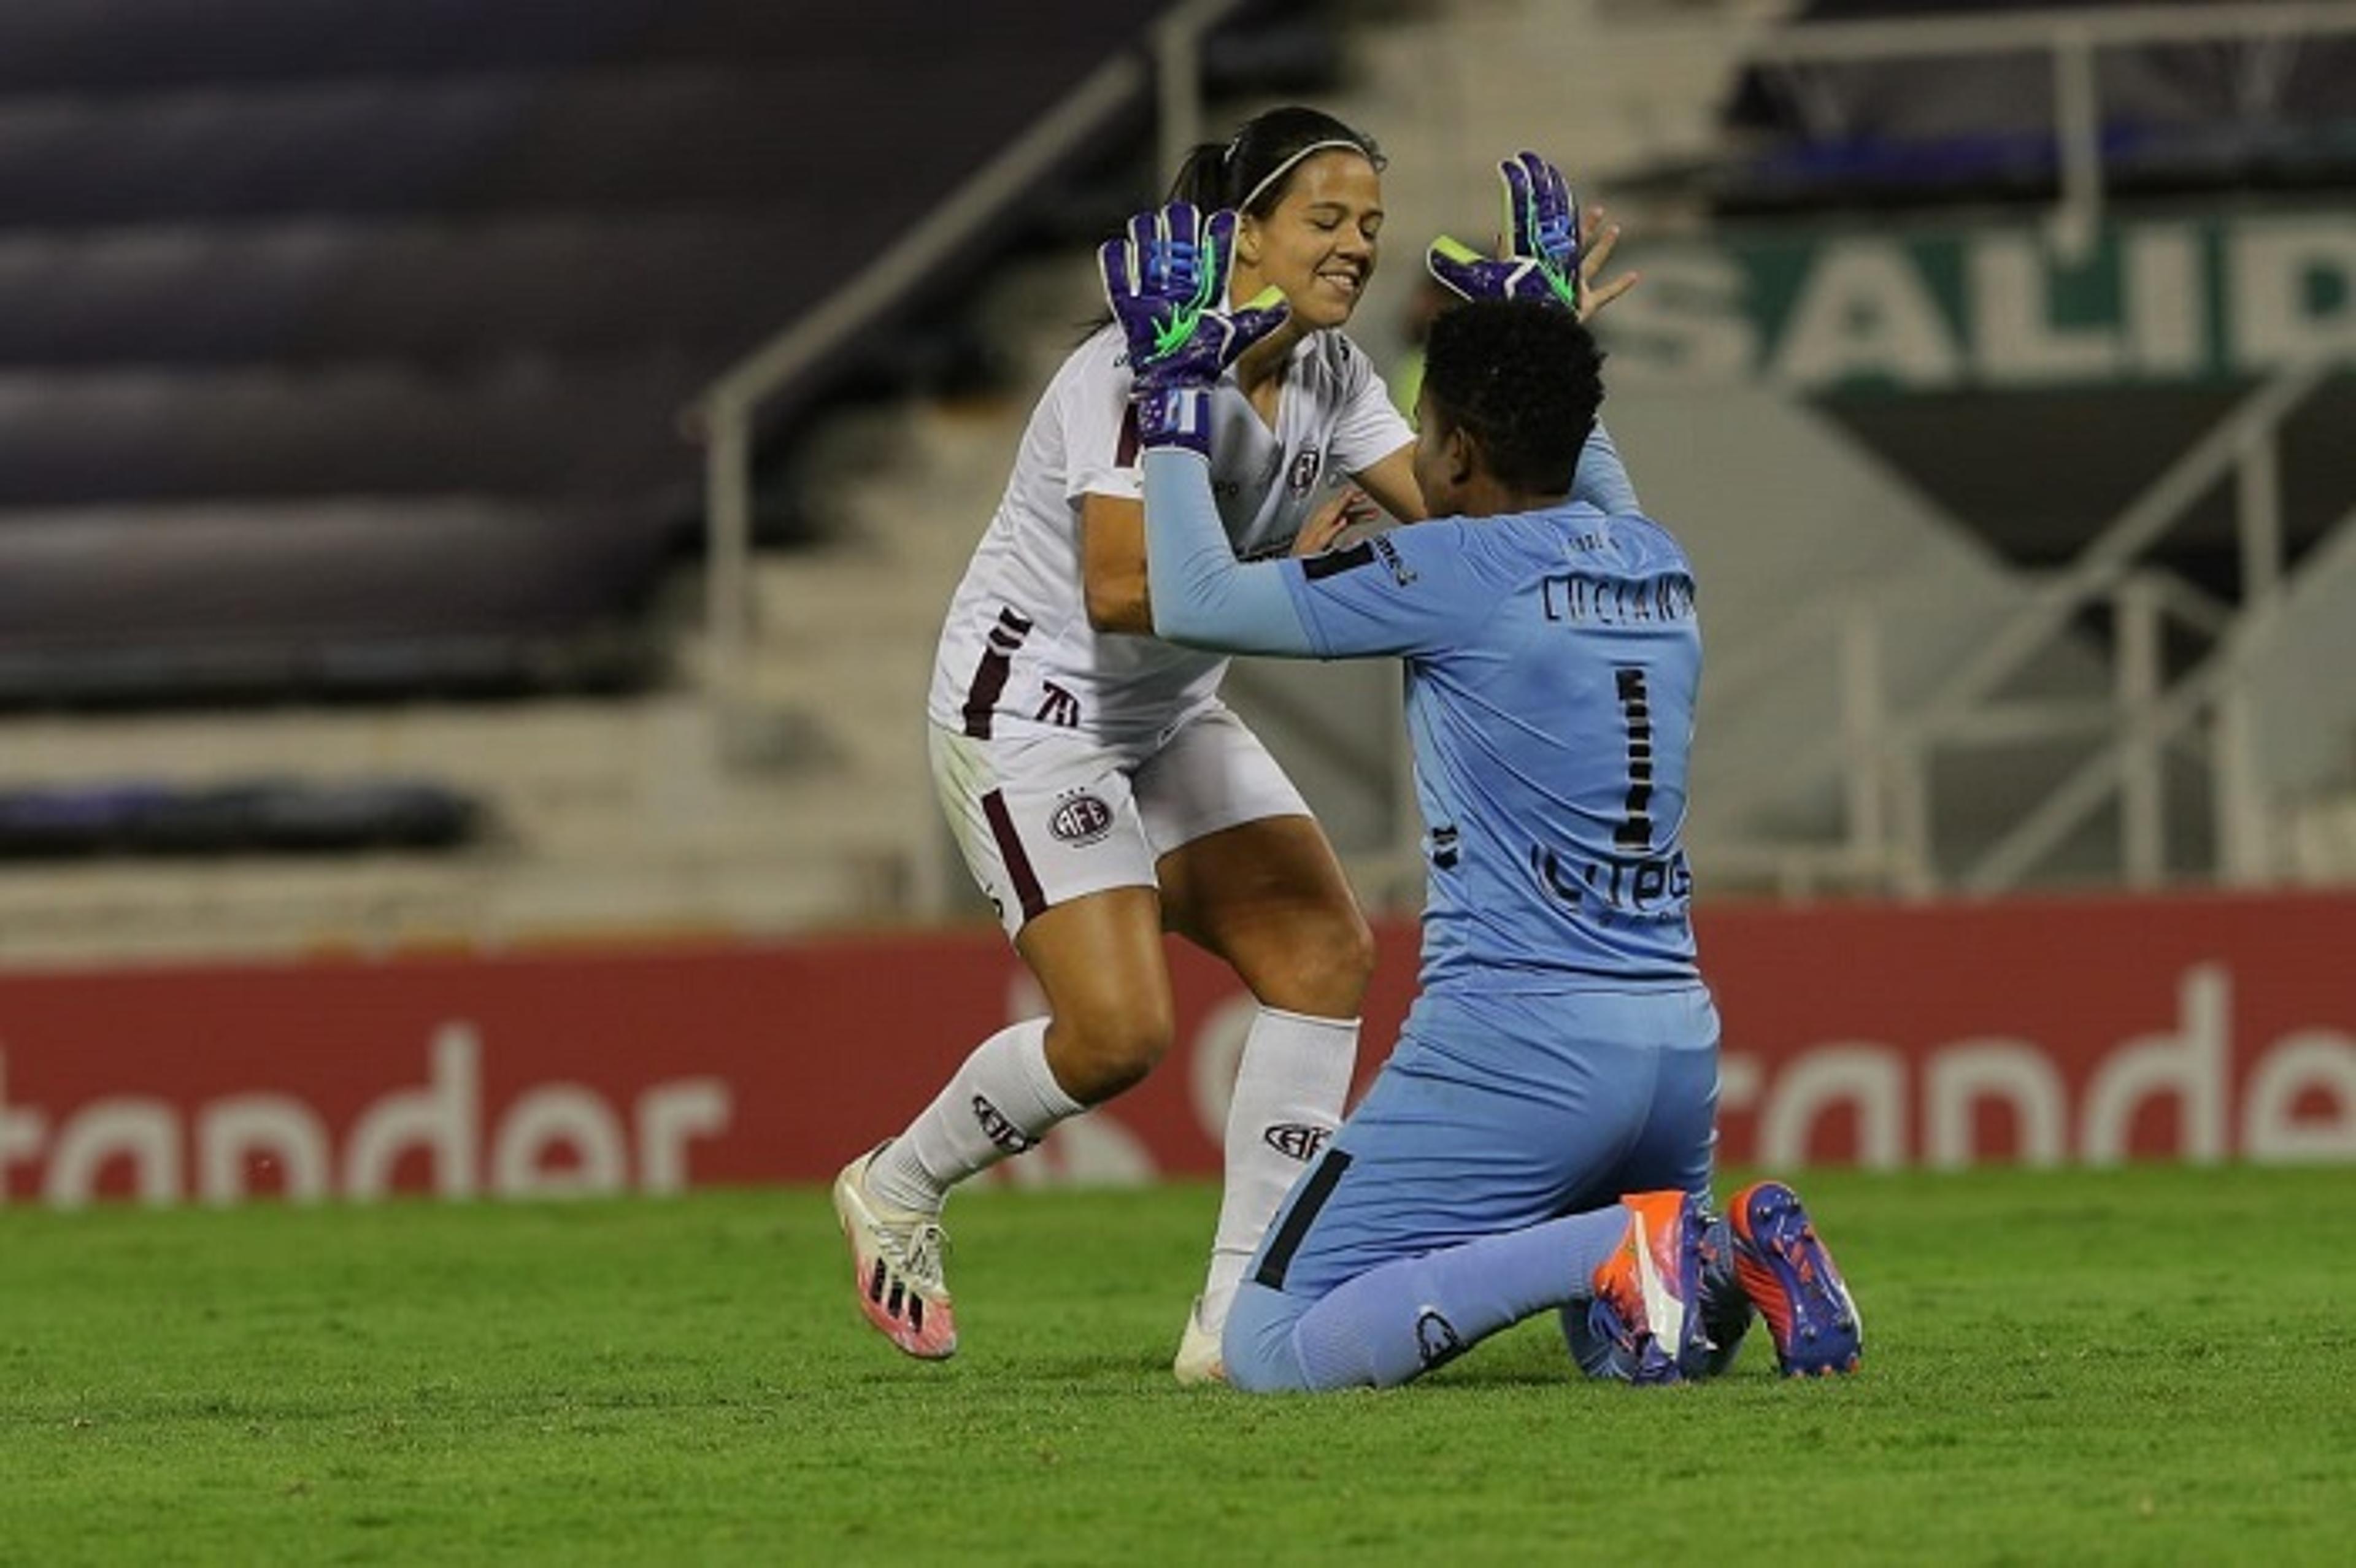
1552 666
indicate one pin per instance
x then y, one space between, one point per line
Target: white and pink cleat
896 1267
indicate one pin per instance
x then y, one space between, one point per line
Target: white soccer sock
1000 1101
1290 1085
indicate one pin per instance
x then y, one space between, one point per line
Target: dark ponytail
1202 178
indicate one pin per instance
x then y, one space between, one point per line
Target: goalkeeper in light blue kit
1541 1137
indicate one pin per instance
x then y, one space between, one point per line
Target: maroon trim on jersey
1010 849
1125 454
988 683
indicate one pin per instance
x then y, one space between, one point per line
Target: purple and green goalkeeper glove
1167 283
1540 242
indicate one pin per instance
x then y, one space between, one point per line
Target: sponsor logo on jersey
998 1129
1080 818
1304 470
1401 572
1656 886
1296 1140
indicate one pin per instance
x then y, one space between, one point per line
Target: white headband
1285 167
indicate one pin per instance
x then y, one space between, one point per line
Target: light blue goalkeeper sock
1396 1322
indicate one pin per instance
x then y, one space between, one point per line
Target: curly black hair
1524 380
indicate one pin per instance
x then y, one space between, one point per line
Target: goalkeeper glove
1166 280
1539 256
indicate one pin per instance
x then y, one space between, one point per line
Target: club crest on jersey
1080 817
1304 472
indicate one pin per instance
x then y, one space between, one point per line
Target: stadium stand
353 337
2237 122
349 366
1948 614
342 357
246 817
2271 111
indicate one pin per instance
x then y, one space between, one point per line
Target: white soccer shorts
1044 819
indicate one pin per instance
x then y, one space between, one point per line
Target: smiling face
1318 246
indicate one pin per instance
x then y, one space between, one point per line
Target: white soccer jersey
1018 657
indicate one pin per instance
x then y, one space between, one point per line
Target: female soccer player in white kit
1100 791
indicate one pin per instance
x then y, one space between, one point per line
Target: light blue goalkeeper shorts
1498 1112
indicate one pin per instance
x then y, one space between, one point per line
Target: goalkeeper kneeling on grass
1541 1137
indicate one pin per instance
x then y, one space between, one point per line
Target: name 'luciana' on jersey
1615 601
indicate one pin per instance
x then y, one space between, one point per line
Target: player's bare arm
1391 481
1112 564
1112 549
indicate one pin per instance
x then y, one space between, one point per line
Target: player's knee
1323 966
1099 1053
1257 1348
1354 954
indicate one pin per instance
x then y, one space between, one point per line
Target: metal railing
2072 37
1890 811
724 414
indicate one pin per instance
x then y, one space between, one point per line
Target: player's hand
1596 240
1538 251
1340 512
1166 280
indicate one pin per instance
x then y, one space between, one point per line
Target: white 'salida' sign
1994 307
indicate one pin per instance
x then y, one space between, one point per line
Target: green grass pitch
2148 1365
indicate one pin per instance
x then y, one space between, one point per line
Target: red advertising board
2191 1028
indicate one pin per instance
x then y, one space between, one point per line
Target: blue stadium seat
330 329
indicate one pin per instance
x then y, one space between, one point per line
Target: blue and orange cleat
1648 1293
1791 1278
